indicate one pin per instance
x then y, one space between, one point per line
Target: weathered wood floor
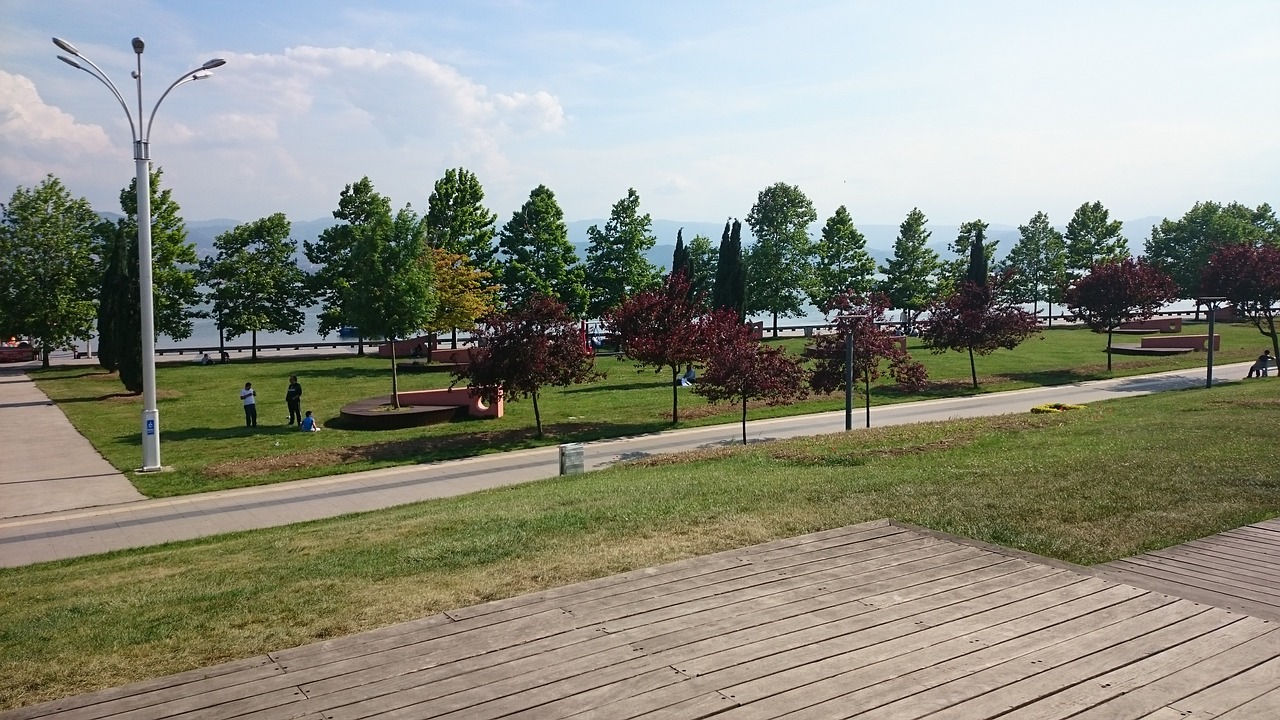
1238 570
871 621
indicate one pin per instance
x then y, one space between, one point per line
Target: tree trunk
1109 349
1050 308
44 355
537 416
255 345
360 345
675 394
222 345
775 324
453 339
395 379
744 419
973 370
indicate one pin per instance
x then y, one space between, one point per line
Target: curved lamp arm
199 73
100 77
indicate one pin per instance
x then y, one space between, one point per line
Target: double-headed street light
1212 302
142 160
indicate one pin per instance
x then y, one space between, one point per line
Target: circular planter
372 414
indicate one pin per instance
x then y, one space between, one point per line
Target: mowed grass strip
205 442
1092 485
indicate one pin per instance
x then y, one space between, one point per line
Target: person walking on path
293 398
1259 368
250 406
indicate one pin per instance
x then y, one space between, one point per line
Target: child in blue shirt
308 424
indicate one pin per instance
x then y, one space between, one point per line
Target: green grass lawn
1086 486
205 442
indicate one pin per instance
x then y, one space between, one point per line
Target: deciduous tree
525 348
865 319
254 280
47 266
661 329
538 258
459 223
1249 277
740 368
1093 237
1118 291
910 280
463 293
780 262
841 262
1183 247
616 261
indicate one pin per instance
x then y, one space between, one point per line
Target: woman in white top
250 406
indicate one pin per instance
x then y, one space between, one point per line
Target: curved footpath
124 520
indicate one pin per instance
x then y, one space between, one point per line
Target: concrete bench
1193 342
1160 325
459 397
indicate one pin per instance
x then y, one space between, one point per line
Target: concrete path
45 465
84 532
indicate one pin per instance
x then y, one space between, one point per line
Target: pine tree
1038 262
779 263
842 263
1093 237
616 263
538 258
909 277
459 223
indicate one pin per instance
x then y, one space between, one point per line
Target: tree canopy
865 319
1038 261
977 319
119 310
463 293
729 291
841 261
1118 291
957 270
780 262
337 274
538 258
47 266
255 284
1249 277
1093 237
1183 247
910 274
616 261
459 223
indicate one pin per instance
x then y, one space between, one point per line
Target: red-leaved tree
660 328
1116 291
523 349
1249 277
978 319
864 318
739 367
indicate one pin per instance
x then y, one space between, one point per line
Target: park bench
1160 325
1192 342
457 397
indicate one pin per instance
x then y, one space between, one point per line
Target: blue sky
974 109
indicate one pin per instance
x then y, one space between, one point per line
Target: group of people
292 398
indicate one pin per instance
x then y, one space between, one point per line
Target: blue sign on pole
151 427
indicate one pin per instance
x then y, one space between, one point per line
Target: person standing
250 406
293 398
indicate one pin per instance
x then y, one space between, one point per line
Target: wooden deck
876 620
1237 570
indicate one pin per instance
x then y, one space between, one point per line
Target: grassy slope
206 443
1086 486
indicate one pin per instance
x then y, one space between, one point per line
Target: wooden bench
1193 342
1160 325
458 397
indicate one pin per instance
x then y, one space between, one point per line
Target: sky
974 109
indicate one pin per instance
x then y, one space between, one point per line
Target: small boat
346 331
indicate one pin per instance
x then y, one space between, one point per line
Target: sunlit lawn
1087 486
208 447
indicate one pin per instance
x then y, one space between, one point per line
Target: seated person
690 375
417 351
308 424
205 359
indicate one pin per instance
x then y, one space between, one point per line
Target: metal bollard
571 459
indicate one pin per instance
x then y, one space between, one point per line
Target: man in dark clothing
293 397
1260 367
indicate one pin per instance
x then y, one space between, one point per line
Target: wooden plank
689 699
1144 686
1231 693
1266 538
1263 706
1211 558
1220 575
1239 592
1059 668
323 647
865 688
606 699
887 648
993 677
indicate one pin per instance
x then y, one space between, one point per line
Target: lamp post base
150 440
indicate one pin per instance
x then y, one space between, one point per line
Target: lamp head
138 45
214 63
70 62
66 46
201 74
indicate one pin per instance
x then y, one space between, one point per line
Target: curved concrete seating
457 397
1160 325
1193 342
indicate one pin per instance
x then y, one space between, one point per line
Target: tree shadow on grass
221 433
345 373
625 386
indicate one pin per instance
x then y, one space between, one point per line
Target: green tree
616 262
47 266
842 263
337 273
254 280
729 292
909 277
781 260
702 265
955 271
173 259
538 258
1038 263
395 297
1093 237
458 222
1182 248
119 311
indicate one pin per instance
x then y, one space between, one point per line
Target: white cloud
30 127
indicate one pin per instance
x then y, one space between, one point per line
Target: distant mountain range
880 238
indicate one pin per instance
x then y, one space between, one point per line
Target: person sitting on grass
308 424
689 377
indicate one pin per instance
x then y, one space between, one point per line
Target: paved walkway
51 536
877 620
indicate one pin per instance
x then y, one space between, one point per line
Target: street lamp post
848 374
1212 302
142 161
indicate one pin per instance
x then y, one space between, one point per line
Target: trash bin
571 459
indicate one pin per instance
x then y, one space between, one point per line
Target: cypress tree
680 258
977 273
720 288
738 275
